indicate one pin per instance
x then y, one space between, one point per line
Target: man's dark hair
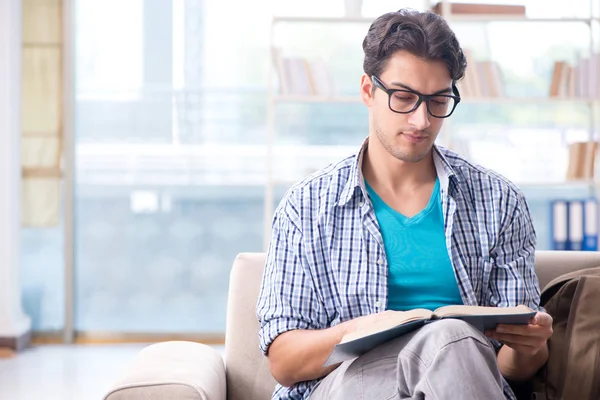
423 34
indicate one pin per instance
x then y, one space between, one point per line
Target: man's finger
524 330
519 348
542 319
517 339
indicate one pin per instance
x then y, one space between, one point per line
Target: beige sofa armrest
173 370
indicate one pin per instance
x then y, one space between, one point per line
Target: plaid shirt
326 262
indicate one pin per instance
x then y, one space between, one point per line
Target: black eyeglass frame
422 97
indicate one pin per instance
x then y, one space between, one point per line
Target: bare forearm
518 366
299 355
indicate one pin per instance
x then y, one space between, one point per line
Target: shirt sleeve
287 299
513 280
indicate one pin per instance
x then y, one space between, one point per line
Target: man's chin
411 155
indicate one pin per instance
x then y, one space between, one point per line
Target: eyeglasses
404 101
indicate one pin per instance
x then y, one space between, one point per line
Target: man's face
407 137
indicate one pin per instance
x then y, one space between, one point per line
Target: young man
402 224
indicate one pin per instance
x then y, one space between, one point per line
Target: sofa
180 370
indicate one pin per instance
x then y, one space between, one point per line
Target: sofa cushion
173 370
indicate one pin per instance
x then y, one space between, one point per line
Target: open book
482 318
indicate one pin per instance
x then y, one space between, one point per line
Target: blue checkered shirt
327 264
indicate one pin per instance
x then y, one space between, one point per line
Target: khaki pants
447 359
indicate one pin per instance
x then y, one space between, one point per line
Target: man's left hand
526 339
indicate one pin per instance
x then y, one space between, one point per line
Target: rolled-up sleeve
513 280
287 299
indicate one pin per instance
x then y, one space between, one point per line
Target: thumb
542 319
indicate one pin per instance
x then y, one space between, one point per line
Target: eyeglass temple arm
455 90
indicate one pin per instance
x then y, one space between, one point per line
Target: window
171 138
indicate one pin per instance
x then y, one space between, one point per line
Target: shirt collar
356 183
445 172
356 177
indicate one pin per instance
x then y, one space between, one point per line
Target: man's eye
405 98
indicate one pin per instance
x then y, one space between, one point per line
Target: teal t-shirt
420 273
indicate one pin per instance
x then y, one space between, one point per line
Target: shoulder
484 184
318 192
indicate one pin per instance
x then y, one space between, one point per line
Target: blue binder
575 223
590 225
559 224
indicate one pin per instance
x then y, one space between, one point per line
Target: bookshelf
277 98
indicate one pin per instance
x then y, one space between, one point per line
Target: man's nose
419 118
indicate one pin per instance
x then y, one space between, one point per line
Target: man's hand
298 355
525 347
525 339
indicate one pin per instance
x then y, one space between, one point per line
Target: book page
394 319
448 311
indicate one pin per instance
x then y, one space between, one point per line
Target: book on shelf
400 323
302 76
582 160
481 9
581 80
482 78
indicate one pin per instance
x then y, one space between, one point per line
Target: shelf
464 100
327 20
581 182
523 185
450 18
316 99
532 100
512 18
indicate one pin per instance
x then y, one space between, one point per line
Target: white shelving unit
275 98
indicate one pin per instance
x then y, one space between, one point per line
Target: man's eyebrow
402 85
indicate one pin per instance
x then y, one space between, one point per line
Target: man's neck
385 172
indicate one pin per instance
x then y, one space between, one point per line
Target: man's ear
366 90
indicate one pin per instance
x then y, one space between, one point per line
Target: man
402 224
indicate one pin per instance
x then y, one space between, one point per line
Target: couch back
248 376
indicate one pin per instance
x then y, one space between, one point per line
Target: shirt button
380 261
377 304
361 203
